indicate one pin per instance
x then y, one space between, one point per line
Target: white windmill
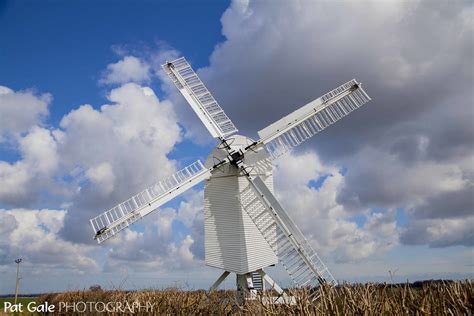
246 228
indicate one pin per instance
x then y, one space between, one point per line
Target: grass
434 298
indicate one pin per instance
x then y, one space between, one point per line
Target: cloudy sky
87 119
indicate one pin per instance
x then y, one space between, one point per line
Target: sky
87 119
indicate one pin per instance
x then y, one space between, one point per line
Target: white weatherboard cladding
232 241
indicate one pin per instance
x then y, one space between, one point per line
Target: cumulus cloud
21 181
189 209
278 68
382 223
129 69
96 158
440 232
21 110
390 183
102 177
115 151
158 247
33 235
325 222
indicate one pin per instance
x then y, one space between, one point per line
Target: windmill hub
246 229
235 152
236 144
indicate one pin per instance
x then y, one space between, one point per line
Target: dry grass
437 298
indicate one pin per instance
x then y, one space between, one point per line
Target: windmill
246 229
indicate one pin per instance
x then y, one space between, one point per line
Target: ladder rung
256 217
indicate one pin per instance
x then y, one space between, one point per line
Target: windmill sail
293 250
200 99
290 131
124 214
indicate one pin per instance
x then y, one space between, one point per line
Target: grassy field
433 298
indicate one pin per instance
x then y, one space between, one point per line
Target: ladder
294 252
257 281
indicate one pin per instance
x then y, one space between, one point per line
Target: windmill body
246 227
231 239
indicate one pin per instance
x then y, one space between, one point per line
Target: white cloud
386 46
33 235
184 249
129 69
103 177
157 247
39 150
21 181
393 183
136 120
191 207
105 156
434 194
121 148
440 232
14 179
21 110
383 224
321 218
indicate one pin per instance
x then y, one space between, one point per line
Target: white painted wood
289 121
286 121
199 98
232 241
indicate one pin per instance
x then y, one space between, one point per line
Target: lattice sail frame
126 213
290 131
199 98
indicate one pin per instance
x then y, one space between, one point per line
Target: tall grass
438 298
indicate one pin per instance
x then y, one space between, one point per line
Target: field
428 298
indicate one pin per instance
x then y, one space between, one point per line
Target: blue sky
62 47
388 188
